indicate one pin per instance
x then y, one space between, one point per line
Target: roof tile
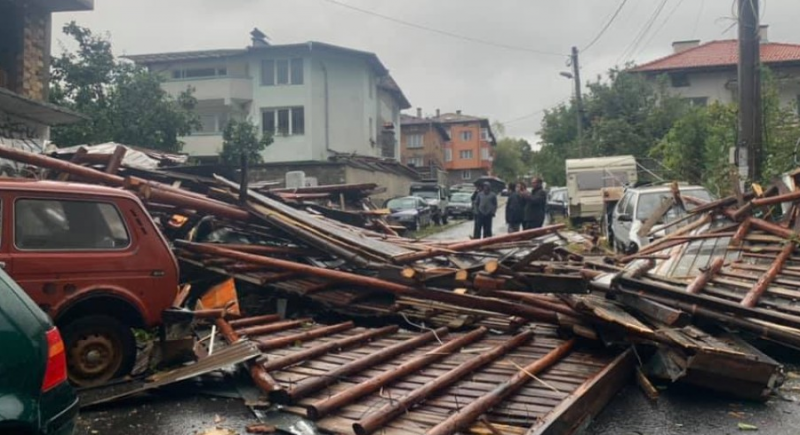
719 54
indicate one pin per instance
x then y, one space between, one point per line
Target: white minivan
637 205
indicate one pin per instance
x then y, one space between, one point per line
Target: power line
699 14
443 32
531 115
663 23
608 24
631 49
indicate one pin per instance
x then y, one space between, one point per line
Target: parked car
35 397
436 196
637 205
557 202
410 211
460 205
92 258
463 187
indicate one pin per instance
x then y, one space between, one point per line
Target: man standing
514 209
535 204
485 206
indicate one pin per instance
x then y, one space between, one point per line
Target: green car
35 397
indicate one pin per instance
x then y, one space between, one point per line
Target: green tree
241 137
510 159
125 103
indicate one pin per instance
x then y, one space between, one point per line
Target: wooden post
700 281
116 160
752 297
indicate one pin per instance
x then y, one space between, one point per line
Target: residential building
316 99
707 72
422 143
469 153
25 114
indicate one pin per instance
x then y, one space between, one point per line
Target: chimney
437 113
458 112
419 112
763 33
258 38
681 46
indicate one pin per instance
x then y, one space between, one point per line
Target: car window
461 197
622 202
44 224
402 203
649 202
628 210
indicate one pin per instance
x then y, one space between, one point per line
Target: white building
703 73
317 99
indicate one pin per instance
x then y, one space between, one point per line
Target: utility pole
749 148
576 75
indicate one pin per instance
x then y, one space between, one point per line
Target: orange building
422 143
469 153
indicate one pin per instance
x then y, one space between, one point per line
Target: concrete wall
396 185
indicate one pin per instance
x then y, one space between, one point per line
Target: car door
625 224
620 235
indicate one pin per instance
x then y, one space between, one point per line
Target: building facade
422 143
469 153
703 73
25 33
316 99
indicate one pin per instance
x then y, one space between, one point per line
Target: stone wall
33 62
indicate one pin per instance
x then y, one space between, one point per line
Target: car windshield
402 204
649 202
461 197
427 194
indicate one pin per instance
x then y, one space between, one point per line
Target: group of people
524 209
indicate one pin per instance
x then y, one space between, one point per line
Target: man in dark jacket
484 207
535 205
514 209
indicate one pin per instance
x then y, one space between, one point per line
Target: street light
566 74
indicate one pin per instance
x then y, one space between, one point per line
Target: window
629 206
485 134
679 80
415 161
195 73
485 154
465 154
289 121
297 71
44 224
622 202
280 72
213 122
448 155
466 135
414 141
466 174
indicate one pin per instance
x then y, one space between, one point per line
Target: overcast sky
434 70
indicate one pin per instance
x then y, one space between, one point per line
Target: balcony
228 89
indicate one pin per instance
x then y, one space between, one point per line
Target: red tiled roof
720 54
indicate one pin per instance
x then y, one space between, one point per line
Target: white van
586 179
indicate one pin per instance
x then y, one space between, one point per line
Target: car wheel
99 348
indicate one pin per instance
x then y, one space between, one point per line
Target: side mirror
625 218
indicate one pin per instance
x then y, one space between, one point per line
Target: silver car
637 205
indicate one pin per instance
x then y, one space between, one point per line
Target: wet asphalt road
679 410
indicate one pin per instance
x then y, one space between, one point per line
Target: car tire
99 348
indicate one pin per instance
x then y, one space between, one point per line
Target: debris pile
516 333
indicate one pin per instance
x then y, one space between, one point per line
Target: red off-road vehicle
93 259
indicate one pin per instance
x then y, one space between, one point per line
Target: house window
485 134
212 122
416 161
448 155
280 72
679 80
485 154
466 135
196 73
288 121
465 154
466 174
414 141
